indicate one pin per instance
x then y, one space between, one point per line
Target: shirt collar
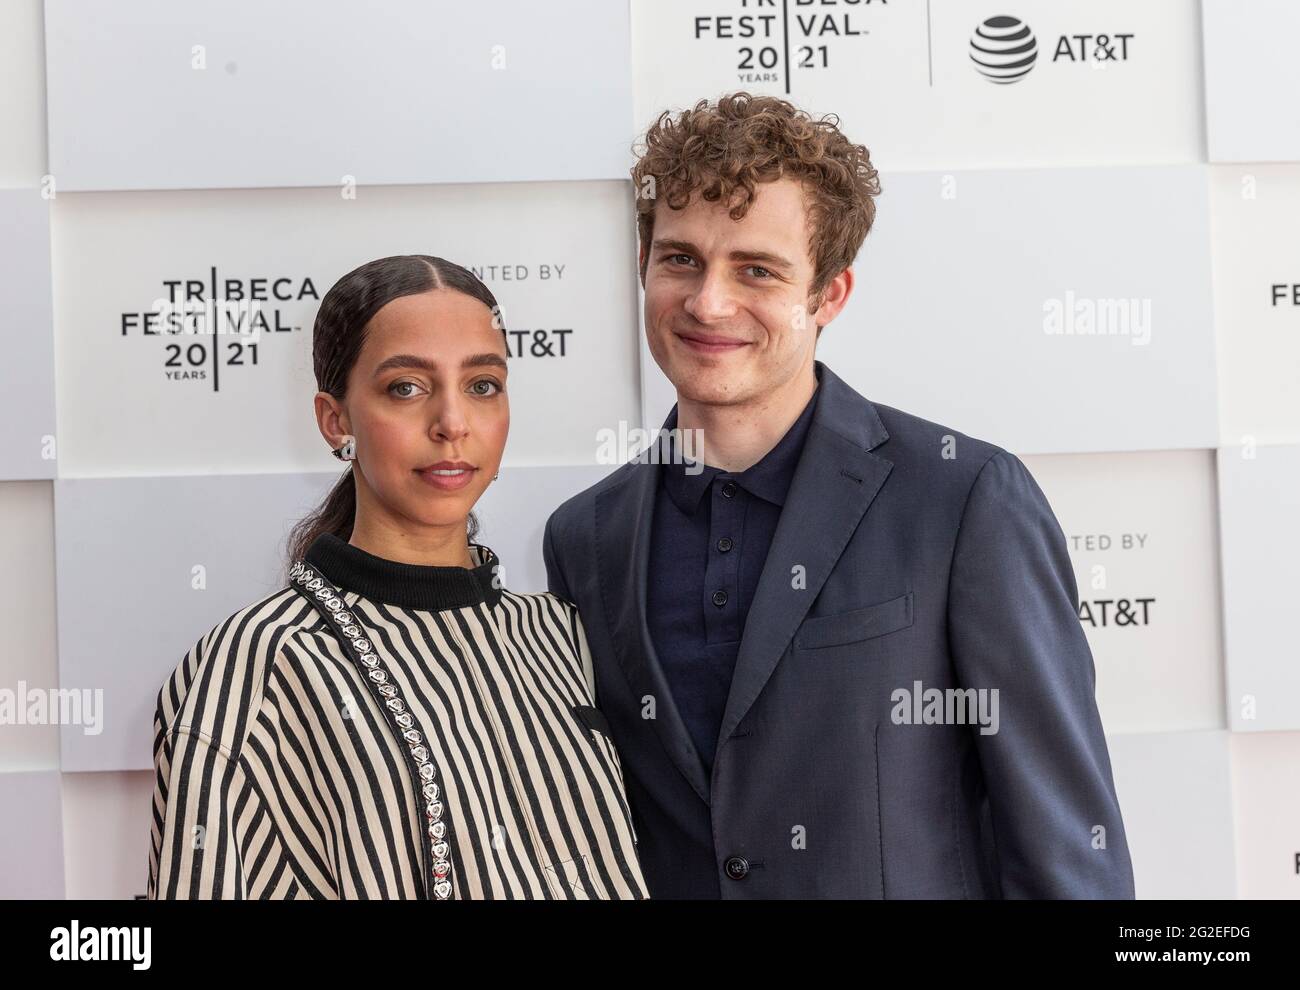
421 586
769 478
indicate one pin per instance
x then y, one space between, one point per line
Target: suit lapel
624 515
834 483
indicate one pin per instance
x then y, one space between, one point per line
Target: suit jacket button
737 867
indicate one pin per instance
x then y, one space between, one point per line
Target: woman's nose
449 422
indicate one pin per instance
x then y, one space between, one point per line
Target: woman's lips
447 479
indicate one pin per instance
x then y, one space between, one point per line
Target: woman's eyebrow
424 364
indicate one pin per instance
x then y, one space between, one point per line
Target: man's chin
712 386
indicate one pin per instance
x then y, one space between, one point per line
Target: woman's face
427 404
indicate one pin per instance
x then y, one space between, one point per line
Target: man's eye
493 386
759 268
674 257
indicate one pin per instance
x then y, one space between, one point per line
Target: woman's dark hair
337 338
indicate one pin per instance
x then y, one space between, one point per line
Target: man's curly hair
723 150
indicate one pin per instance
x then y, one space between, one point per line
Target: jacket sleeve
555 582
1013 627
201 806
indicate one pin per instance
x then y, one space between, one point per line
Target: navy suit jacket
911 563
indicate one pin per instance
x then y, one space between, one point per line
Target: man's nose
713 299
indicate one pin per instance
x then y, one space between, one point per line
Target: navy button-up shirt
710 537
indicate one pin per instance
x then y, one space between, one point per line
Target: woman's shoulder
547 601
563 616
223 675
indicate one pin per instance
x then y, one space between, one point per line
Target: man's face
726 300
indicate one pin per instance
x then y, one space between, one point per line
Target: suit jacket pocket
857 625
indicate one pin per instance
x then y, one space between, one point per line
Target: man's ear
834 297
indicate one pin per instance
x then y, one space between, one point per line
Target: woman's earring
348 452
495 476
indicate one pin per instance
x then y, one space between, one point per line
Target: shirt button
737 867
725 544
729 490
719 598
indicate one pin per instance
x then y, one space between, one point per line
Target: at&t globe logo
1003 49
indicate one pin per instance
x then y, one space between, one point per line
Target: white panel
1252 77
901 78
27 442
1140 528
31 845
512 516
28 666
240 93
1267 805
1259 498
106 822
966 279
975 293
1175 793
559 258
186 552
146 566
1256 245
22 83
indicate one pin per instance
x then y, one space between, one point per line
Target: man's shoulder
944 466
916 446
572 511
922 444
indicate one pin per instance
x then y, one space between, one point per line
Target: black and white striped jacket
389 730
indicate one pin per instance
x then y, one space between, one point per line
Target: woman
394 723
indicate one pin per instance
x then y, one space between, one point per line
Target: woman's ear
331 419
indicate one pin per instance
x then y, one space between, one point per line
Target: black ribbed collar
769 478
407 585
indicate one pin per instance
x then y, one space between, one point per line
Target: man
841 657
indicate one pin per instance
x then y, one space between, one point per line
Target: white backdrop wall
1106 234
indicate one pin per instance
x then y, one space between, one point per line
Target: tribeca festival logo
1285 294
1004 49
537 342
215 308
53 706
776 38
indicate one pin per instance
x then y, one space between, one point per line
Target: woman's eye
402 395
493 387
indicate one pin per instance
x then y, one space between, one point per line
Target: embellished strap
328 600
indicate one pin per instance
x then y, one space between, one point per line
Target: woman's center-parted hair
338 336
724 150
345 312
